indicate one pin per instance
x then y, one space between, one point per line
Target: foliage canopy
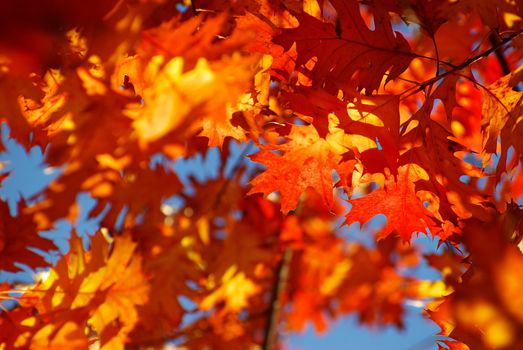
351 109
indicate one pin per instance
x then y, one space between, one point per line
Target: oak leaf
502 110
397 200
484 310
351 56
102 288
306 162
499 15
18 234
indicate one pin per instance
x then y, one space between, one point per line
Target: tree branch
463 64
271 335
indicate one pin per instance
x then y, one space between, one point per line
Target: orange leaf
398 202
307 161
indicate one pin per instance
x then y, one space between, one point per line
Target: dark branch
466 63
271 335
499 52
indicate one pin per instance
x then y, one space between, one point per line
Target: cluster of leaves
407 108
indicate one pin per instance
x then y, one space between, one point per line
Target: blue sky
347 334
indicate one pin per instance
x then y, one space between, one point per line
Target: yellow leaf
235 291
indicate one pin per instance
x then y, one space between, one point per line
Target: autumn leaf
481 313
305 163
502 108
163 108
12 89
235 290
103 288
350 278
398 202
495 14
351 56
19 237
21 329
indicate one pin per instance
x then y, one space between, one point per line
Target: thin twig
193 8
464 64
471 60
499 52
436 51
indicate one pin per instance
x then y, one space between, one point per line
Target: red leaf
17 235
351 53
398 202
307 161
